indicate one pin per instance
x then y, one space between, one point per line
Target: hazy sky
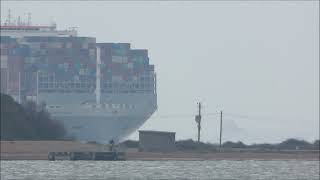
256 61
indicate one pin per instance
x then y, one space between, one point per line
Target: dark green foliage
316 144
93 142
26 122
189 144
230 144
263 146
294 144
14 124
290 144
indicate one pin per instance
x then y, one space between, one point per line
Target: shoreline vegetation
27 122
28 132
190 145
38 150
186 150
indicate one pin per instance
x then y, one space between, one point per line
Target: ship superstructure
99 91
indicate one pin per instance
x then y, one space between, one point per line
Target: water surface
250 169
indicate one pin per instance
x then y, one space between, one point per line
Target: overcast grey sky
255 59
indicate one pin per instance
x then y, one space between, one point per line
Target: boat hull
100 129
115 119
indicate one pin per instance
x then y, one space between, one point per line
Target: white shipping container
20 40
55 45
120 59
130 65
92 52
31 98
85 45
117 78
4 61
135 78
81 72
69 45
34 45
76 78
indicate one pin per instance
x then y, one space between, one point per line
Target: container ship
98 91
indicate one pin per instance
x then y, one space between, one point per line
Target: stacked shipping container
62 63
12 62
68 64
125 70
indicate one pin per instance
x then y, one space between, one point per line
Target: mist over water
254 59
249 169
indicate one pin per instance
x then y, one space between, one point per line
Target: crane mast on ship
98 78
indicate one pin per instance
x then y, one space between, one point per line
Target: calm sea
250 169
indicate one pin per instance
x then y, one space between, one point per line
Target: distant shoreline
234 156
38 150
180 156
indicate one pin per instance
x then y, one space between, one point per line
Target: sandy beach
38 150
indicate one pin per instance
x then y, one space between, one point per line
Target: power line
237 115
192 115
172 116
217 114
198 120
220 128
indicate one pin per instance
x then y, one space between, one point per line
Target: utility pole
29 19
9 17
8 79
220 128
198 120
98 78
19 93
37 88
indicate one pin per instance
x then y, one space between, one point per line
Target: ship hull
109 121
100 129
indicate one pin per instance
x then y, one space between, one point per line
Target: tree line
190 145
289 144
27 122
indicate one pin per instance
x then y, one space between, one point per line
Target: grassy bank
38 150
